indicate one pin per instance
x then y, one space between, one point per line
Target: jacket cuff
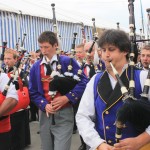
74 98
42 105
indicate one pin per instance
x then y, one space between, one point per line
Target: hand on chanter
49 109
128 144
59 102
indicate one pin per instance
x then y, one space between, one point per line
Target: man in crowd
59 109
80 55
102 97
6 105
145 57
20 132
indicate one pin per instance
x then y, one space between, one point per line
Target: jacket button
109 141
107 112
107 127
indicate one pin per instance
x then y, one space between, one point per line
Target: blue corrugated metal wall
13 26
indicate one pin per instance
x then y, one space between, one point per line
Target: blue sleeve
76 93
36 94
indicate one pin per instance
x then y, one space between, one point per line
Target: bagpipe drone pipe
66 79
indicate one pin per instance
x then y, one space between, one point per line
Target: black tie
48 69
92 71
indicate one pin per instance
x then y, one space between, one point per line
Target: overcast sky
106 12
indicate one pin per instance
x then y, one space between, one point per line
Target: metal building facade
13 26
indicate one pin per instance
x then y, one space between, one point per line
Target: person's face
113 54
145 58
9 60
47 49
80 54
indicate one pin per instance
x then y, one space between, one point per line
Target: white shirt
54 58
86 113
11 91
87 70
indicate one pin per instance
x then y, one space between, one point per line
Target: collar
54 58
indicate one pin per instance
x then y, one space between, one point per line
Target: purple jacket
36 89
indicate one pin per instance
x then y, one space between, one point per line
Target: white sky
106 12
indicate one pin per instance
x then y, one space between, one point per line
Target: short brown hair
49 37
11 51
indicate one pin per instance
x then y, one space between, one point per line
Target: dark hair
48 36
117 38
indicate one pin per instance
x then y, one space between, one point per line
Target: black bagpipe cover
62 84
137 112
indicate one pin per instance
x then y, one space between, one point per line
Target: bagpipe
118 27
136 111
95 37
93 67
68 75
17 44
59 83
54 19
148 25
99 64
83 33
2 56
55 28
25 69
66 79
62 82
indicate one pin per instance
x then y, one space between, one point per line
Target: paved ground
35 138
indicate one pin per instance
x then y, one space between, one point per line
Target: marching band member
145 57
92 65
58 136
8 104
10 58
80 58
89 69
20 132
102 97
80 55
